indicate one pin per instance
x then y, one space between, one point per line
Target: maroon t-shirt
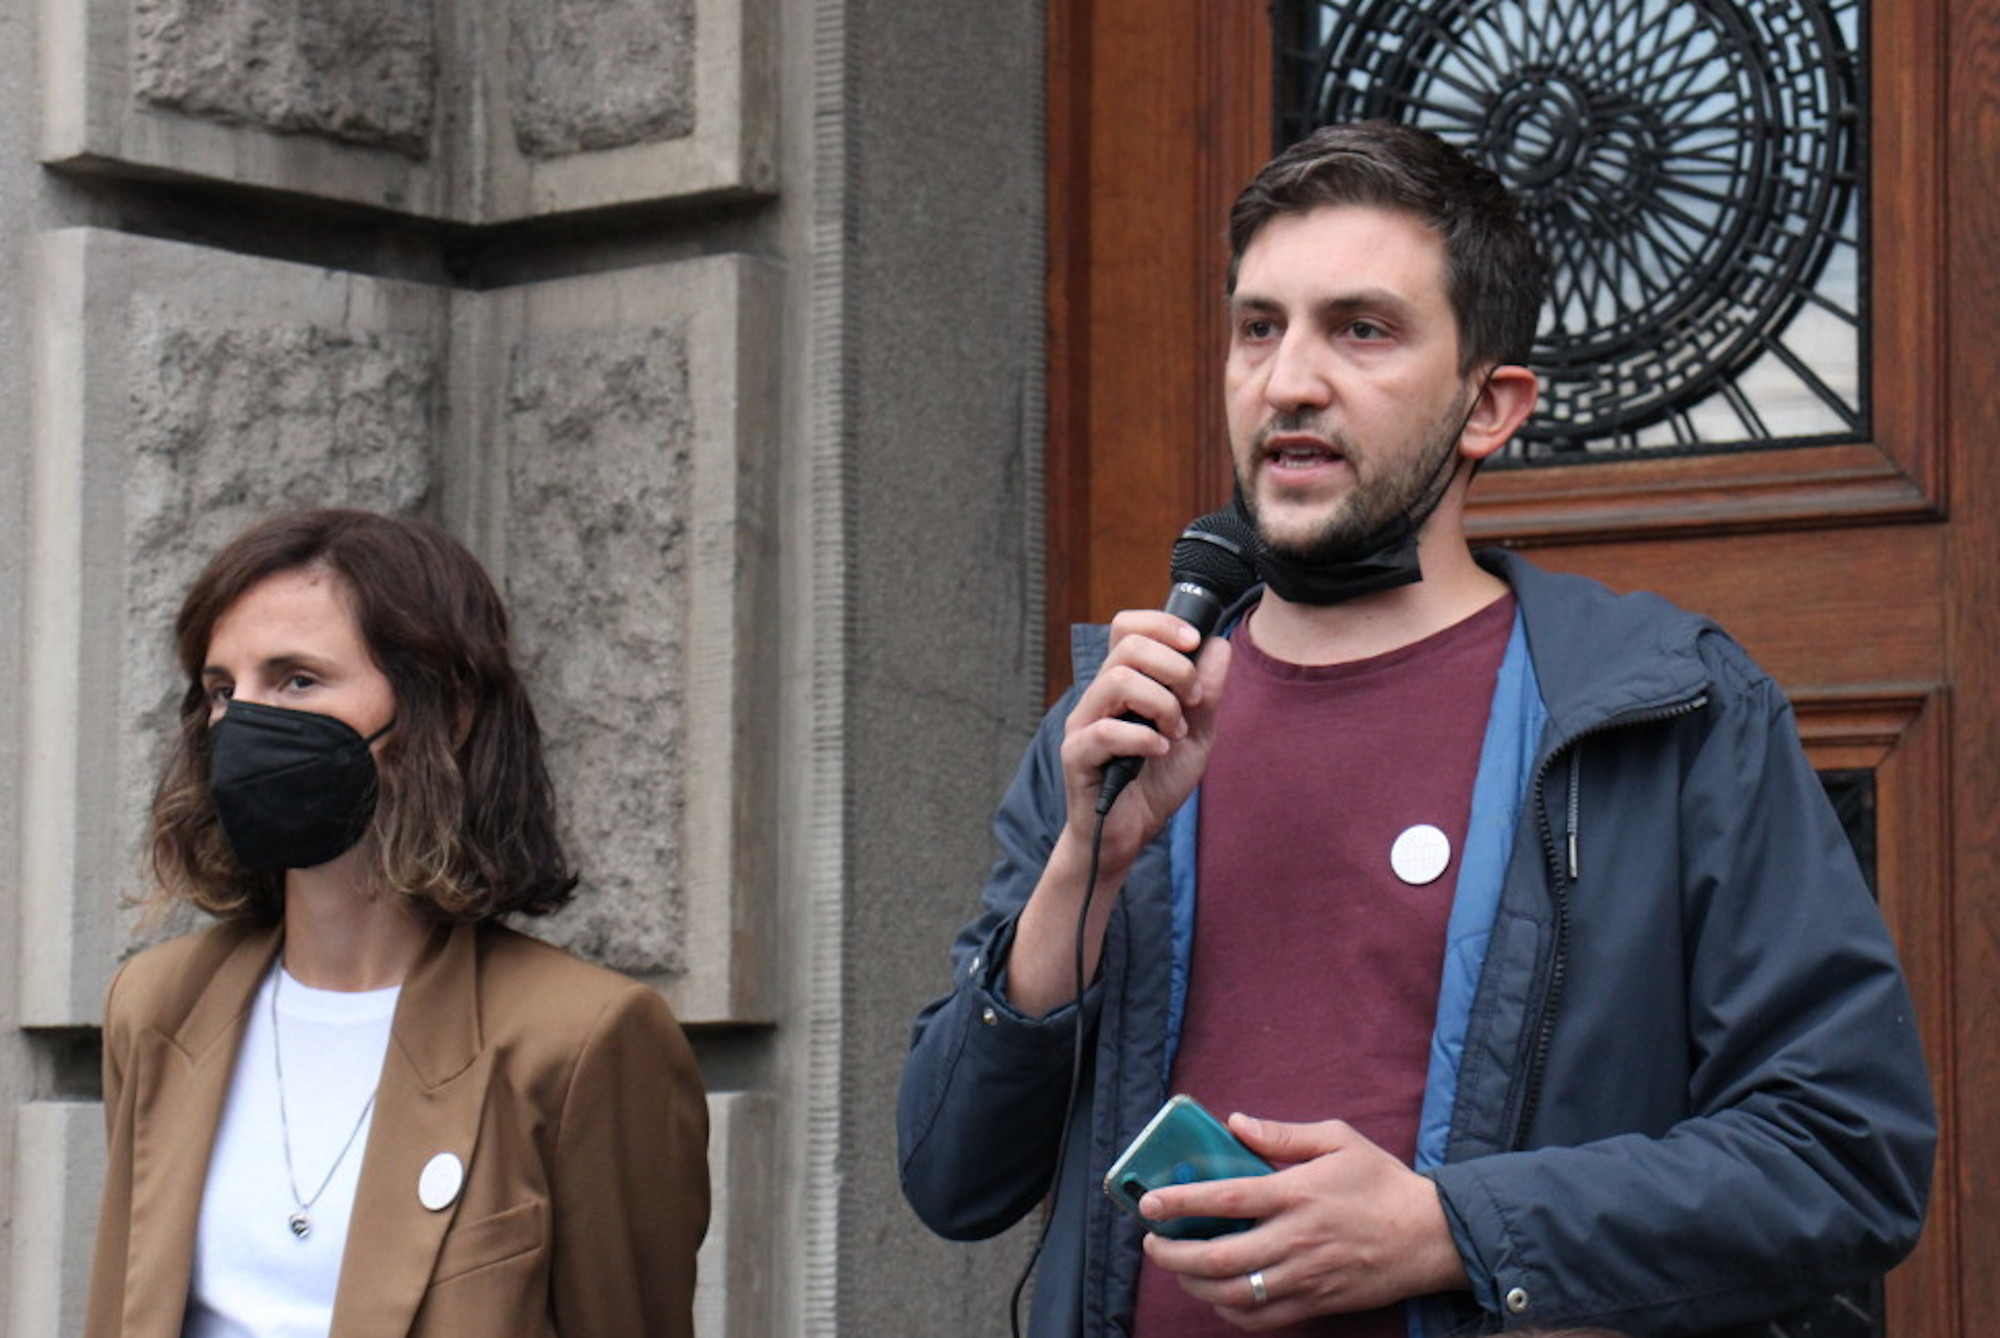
1317 949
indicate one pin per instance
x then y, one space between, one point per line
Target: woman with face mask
358 1103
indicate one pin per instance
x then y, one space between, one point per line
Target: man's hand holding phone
1181 1145
1342 1225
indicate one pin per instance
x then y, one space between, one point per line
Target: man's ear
1507 396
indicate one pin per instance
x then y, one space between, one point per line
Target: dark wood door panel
1854 606
1902 739
1148 143
1971 258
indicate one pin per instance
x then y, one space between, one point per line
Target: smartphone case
1181 1144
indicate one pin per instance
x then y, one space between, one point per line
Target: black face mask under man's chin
1383 559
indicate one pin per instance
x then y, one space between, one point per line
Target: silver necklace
301 1221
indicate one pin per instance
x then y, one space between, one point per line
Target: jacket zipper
1563 871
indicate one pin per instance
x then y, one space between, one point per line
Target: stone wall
474 113
713 327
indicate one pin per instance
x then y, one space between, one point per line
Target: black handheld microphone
1211 570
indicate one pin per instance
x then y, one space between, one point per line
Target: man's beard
1411 489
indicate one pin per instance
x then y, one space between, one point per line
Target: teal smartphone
1181 1144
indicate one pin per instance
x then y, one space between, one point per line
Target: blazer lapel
431 1097
181 1081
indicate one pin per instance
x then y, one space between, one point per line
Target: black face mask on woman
293 788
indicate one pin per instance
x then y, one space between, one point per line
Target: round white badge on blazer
1420 854
443 1177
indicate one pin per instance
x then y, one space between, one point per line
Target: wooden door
1861 573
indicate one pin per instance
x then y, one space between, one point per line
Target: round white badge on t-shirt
1420 854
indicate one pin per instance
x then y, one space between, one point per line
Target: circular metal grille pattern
1688 167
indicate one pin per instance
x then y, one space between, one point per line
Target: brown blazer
567 1091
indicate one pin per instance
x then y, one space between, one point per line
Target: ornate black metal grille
1693 170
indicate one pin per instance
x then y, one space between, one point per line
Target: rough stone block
363 72
597 572
182 393
602 102
487 112
599 74
617 425
734 1283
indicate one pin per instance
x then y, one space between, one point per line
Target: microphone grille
1215 553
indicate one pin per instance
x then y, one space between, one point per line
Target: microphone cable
1211 568
1075 1078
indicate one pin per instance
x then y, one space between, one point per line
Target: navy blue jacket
1690 1092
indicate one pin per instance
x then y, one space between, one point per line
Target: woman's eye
221 692
300 682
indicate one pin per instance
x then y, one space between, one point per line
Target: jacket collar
429 1102
1599 655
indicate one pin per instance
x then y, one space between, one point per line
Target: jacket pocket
493 1239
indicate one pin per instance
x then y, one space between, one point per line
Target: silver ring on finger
1257 1293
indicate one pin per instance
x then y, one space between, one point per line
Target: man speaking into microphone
1502 916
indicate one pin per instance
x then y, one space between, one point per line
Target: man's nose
1298 374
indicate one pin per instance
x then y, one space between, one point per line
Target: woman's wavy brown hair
465 823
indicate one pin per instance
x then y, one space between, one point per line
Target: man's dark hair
1494 277
465 829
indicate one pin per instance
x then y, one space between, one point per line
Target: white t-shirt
253 1278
